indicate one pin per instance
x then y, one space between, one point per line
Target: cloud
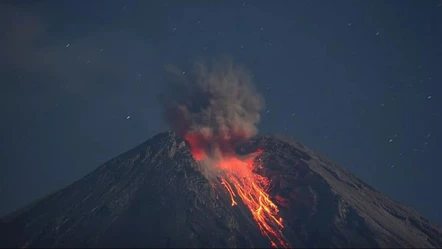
214 107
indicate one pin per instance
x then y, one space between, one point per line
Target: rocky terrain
154 196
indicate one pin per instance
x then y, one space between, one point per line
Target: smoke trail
214 107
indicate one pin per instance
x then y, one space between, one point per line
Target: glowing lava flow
252 189
237 175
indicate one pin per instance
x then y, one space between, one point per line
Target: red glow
197 145
239 180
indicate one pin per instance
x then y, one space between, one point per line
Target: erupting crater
237 176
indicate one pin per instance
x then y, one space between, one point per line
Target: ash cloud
214 107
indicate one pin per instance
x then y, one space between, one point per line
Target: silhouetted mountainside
154 196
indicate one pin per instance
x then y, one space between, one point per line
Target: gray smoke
213 107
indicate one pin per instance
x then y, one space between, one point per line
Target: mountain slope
154 196
328 206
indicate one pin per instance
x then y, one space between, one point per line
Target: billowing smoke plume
214 107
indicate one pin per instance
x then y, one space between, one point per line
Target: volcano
157 195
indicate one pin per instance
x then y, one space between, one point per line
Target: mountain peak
155 195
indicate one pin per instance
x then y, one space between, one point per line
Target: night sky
358 81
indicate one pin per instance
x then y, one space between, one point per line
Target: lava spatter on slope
238 178
253 191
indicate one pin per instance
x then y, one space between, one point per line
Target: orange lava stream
230 191
252 189
238 178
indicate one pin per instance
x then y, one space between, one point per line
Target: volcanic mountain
156 196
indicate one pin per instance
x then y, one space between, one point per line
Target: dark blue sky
344 78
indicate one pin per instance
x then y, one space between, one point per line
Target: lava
239 180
